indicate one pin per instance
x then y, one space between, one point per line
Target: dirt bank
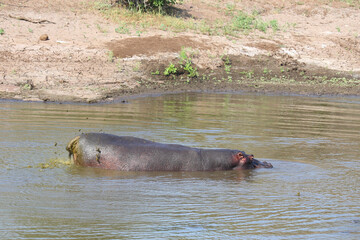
92 54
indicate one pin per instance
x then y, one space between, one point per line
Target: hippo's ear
241 158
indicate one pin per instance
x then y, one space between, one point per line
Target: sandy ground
316 51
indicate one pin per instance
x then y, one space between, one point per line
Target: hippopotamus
127 153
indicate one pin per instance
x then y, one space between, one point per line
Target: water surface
311 193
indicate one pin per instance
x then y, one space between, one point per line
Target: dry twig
36 21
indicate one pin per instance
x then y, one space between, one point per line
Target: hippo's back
135 154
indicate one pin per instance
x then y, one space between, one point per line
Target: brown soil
151 45
83 59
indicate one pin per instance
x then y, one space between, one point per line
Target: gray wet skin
125 153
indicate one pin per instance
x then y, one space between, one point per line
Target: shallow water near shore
311 193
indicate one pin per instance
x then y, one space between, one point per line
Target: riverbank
99 52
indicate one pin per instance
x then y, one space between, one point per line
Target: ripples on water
311 193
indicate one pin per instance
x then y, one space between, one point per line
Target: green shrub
145 5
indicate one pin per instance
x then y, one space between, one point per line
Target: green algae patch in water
54 163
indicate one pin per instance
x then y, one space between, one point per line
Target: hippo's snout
258 164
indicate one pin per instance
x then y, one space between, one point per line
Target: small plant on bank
157 72
171 69
186 63
227 65
110 56
192 71
248 74
2 31
227 69
28 85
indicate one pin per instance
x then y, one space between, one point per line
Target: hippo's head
249 162
72 148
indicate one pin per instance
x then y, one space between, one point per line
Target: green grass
235 24
352 3
245 22
100 28
122 29
2 31
274 25
342 81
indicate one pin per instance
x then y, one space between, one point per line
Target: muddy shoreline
88 57
244 79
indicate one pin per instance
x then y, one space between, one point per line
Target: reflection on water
311 193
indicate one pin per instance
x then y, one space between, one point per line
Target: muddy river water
313 191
